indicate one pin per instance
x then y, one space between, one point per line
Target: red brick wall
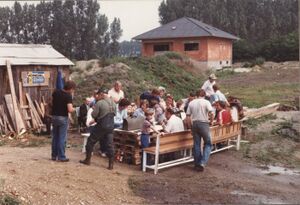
210 48
219 49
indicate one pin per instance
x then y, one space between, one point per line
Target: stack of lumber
16 116
17 120
127 146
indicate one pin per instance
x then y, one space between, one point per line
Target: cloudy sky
137 16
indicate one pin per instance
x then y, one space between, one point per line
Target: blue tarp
59 81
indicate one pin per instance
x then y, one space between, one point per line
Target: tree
16 23
5 35
115 34
103 38
255 21
75 28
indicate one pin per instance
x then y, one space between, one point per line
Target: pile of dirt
136 75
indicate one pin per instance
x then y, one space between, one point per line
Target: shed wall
35 92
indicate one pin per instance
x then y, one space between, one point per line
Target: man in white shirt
174 124
208 85
116 93
200 116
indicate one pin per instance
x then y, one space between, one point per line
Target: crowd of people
107 110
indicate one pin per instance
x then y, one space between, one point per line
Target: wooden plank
21 94
175 137
14 114
171 147
257 113
33 110
38 109
17 118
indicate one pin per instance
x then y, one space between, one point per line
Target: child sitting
146 129
224 116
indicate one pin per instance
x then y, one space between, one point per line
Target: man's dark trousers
105 135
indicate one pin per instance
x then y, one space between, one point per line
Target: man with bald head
199 117
116 93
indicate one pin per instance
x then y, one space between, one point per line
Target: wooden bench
178 141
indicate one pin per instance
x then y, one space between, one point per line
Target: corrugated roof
31 54
184 27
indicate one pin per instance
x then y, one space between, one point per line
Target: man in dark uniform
104 112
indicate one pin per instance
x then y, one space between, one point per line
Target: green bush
173 55
259 61
8 200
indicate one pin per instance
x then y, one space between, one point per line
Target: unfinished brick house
209 46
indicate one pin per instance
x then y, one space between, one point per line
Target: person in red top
224 116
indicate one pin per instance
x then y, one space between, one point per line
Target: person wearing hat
162 92
208 85
103 113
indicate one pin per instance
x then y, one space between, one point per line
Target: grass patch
30 141
2 143
6 199
254 122
264 94
226 73
145 74
245 149
173 55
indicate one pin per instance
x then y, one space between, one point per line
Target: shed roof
184 27
31 54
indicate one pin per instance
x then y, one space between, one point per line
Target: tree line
267 28
75 28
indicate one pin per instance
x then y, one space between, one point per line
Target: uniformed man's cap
102 90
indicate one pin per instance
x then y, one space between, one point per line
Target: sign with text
35 78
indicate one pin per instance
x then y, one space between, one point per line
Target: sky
137 16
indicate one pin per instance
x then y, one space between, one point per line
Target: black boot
111 163
87 160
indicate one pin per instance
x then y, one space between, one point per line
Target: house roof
184 27
31 54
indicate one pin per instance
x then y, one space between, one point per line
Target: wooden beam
33 110
19 124
21 94
14 113
257 113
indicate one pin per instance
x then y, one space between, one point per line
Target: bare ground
29 175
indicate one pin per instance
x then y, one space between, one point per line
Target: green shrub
173 55
259 61
247 65
8 200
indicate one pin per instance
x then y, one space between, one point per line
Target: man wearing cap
208 86
103 113
162 92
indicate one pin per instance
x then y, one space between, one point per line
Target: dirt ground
29 175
